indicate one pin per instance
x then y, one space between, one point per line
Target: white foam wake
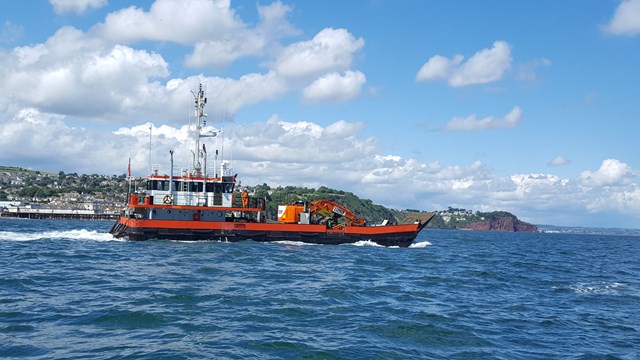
420 245
598 287
80 234
294 243
365 243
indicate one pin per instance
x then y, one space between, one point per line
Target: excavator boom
328 208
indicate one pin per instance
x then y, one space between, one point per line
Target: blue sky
524 106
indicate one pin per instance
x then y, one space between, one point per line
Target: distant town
35 194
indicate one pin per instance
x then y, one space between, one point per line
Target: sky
530 107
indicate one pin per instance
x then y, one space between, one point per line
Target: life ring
167 199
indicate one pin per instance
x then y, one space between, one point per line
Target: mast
200 102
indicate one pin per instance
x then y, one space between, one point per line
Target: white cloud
330 50
472 122
73 74
620 202
219 36
184 22
559 161
85 76
335 87
529 183
485 66
612 172
224 52
439 68
40 140
626 20
76 6
343 129
223 48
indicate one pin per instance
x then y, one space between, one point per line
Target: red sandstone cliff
503 224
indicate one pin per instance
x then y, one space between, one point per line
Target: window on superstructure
208 187
196 186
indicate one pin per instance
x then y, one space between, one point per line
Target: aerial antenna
224 114
215 164
171 175
204 151
150 169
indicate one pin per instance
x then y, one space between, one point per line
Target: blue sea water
69 290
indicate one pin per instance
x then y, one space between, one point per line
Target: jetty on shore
37 212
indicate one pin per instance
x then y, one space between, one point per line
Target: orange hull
145 229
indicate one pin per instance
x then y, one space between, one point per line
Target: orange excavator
329 209
299 212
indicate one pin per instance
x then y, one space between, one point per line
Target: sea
68 290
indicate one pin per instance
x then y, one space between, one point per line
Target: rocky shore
511 224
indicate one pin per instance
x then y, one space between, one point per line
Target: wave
598 288
294 243
417 245
79 234
365 243
420 245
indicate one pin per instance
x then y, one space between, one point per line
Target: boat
195 205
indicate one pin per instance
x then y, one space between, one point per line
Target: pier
56 214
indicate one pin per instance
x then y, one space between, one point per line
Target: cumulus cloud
183 22
226 47
559 161
485 66
626 19
75 75
97 76
439 68
335 87
472 122
76 6
39 140
218 35
611 172
613 188
330 50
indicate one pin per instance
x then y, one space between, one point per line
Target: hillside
286 195
487 221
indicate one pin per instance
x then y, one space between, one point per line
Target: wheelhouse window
219 187
196 186
158 185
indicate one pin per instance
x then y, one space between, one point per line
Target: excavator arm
328 209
